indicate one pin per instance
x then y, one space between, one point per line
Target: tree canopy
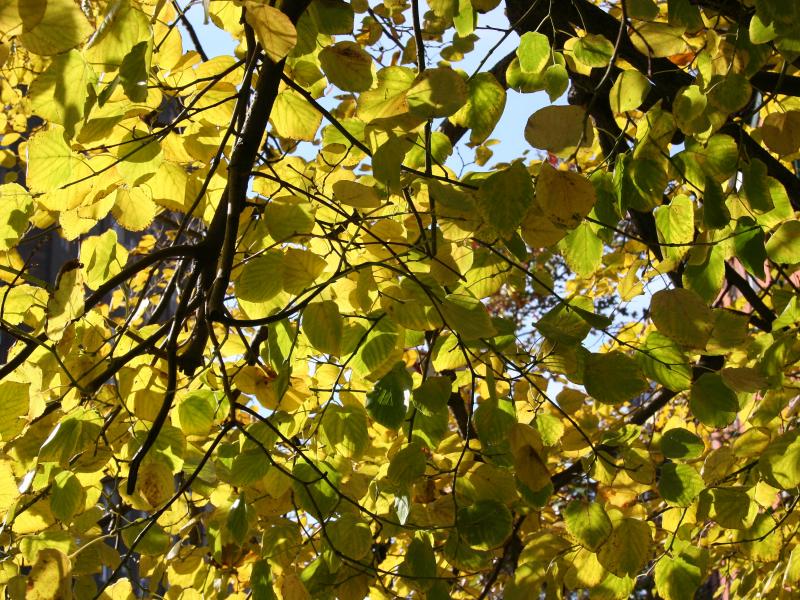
316 342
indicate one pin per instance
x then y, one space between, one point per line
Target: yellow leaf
134 208
564 197
300 269
16 207
122 28
8 486
139 157
531 469
559 129
356 194
52 26
66 302
59 94
295 118
155 483
781 131
102 258
50 160
13 408
50 577
80 220
274 30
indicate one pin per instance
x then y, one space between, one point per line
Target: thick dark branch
741 284
126 273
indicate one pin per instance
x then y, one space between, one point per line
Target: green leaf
679 484
69 437
682 444
467 316
66 496
261 581
644 10
466 19
689 108
261 278
387 160
155 542
564 324
675 225
485 524
432 395
781 131
314 494
712 402
718 159
663 361
345 428
504 198
419 562
533 52
730 92
407 466
613 377
386 402
559 129
347 66
756 186
134 70
677 578
582 250
122 28
682 316
749 244
730 507
683 14
493 420
288 216
593 50
238 519
627 549
780 462
715 212
377 351
438 92
783 246
486 99
556 81
705 271
564 197
588 523
628 91
332 17
197 411
388 99
324 326
248 467
350 535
